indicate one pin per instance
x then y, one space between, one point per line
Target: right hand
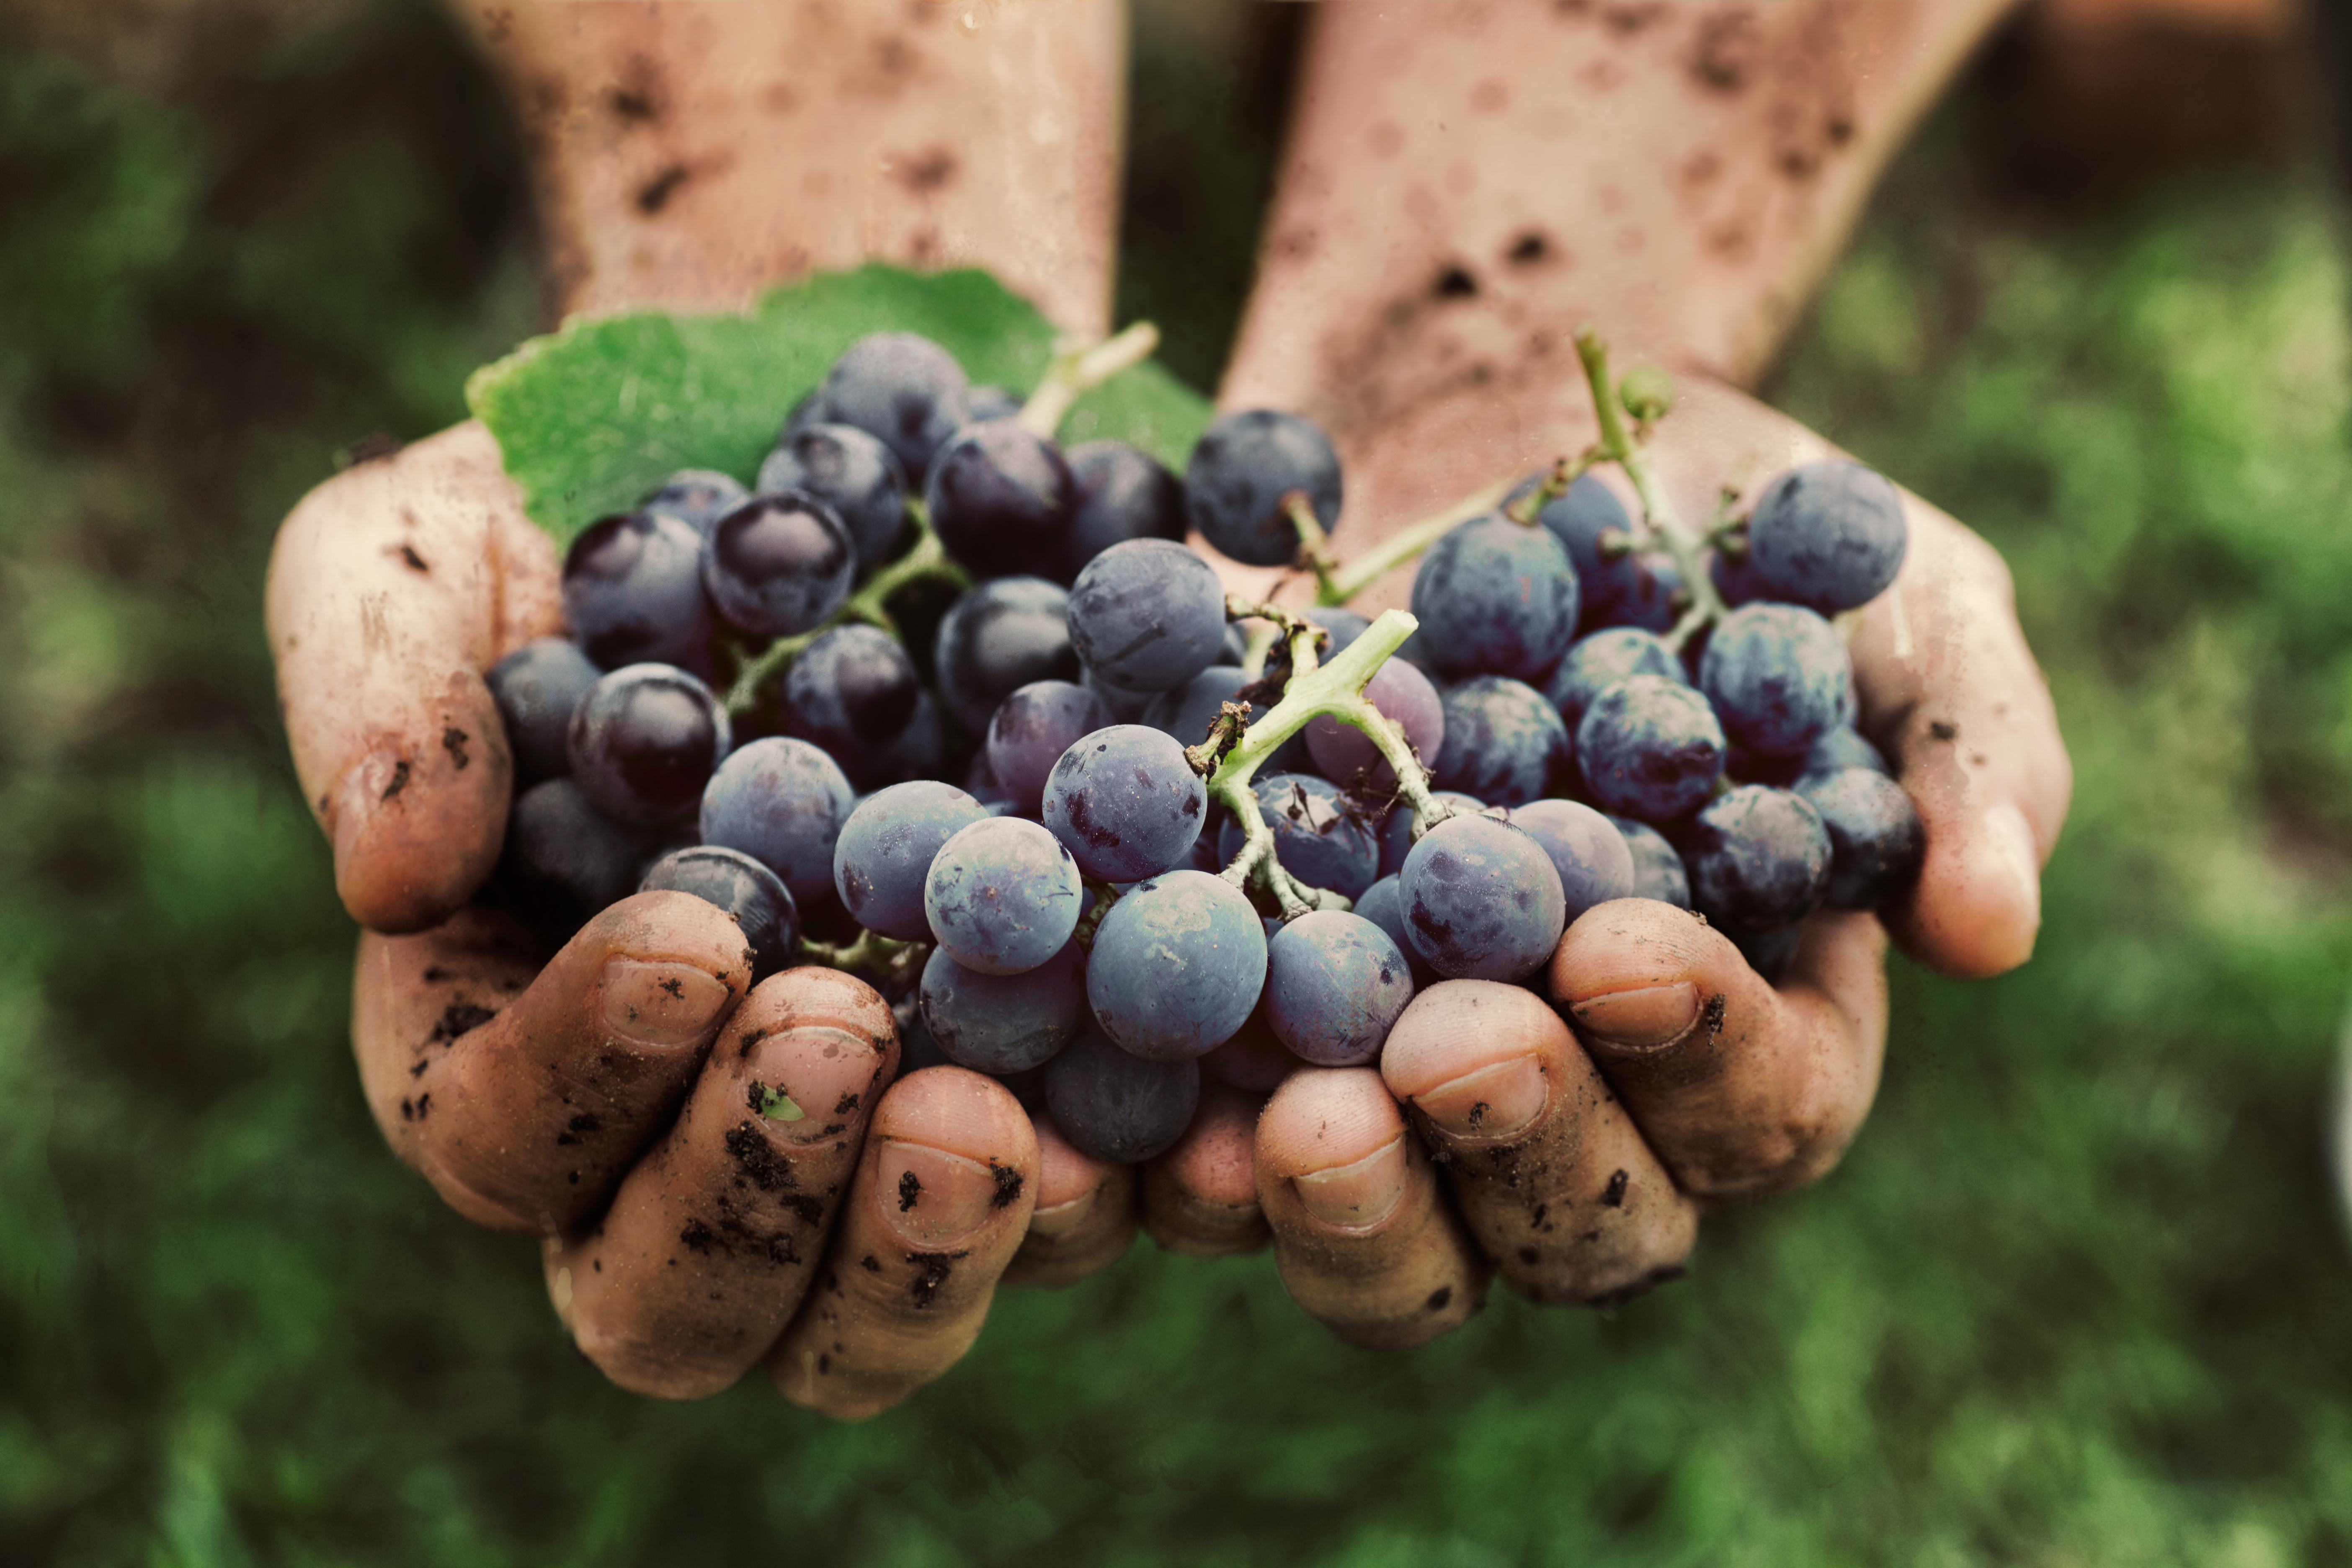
600 1101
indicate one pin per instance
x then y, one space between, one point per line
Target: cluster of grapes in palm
1188 831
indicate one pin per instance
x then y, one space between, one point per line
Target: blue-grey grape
1147 615
699 496
1757 858
1778 678
1119 1107
1829 535
643 742
1178 964
1000 495
1650 747
633 593
1317 840
746 890
1004 1023
997 638
782 801
852 691
1657 867
1876 840
1495 597
779 565
1119 492
1402 694
1245 465
536 688
851 472
1594 863
1126 803
883 854
1504 744
1482 900
898 387
1002 896
1334 985
1604 658
1031 729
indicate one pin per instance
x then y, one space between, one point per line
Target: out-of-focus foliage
2078 1296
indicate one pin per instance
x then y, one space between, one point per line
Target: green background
2080 1295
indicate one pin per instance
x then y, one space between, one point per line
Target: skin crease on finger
710 1243
1084 1219
1740 1088
1365 1241
1546 1166
940 1204
524 1120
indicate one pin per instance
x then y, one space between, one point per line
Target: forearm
1465 186
690 153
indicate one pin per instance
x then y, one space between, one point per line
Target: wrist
689 155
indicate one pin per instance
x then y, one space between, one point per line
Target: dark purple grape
904 389
633 593
782 801
1383 905
1396 829
1594 863
755 896
1650 747
1188 711
700 496
563 861
1124 707
536 688
1735 579
1829 535
852 691
850 471
1240 471
882 858
1002 896
1759 858
1778 678
1646 592
1119 493
1147 615
1657 867
1504 743
997 638
1000 498
1334 986
918 753
1030 732
644 740
1603 659
1126 804
1769 953
1006 1023
1405 696
1315 837
779 565
1482 900
1495 597
1119 1107
1877 843
1178 964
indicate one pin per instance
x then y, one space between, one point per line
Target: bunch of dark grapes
769 689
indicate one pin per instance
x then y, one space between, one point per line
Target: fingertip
960 1112
1069 1180
418 821
1322 1118
1977 909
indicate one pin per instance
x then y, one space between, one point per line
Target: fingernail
2006 827
934 1198
1359 1195
813 1082
661 1003
1064 1217
1496 1101
1640 1020
378 777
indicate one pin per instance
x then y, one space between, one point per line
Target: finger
1738 1086
711 1239
1546 1167
1085 1217
1365 1242
940 1203
1948 686
391 588
1199 1198
524 1118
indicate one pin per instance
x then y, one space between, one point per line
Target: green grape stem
886 957
1659 519
1078 368
927 561
1335 689
1351 578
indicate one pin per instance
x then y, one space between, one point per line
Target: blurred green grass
2079 1296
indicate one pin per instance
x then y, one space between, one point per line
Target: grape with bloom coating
1335 984
1147 615
1604 658
1657 868
1002 896
1650 748
1877 843
851 472
1502 742
1004 1023
1316 837
782 801
700 496
1119 1107
1245 465
999 496
1778 678
756 896
1178 964
633 593
1495 597
1031 729
1829 535
883 857
1482 900
1119 492
1758 859
1403 695
1126 803
536 688
779 565
997 638
900 387
1591 856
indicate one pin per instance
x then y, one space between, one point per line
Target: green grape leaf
592 416
776 1105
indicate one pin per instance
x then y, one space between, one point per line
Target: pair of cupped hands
609 1100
